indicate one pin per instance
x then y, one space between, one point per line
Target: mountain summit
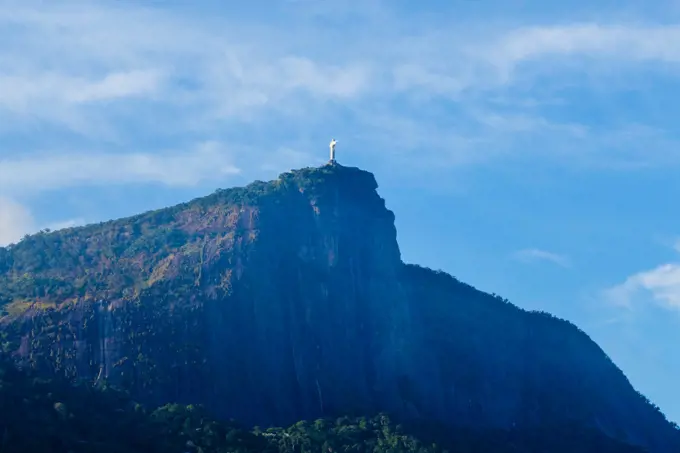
288 300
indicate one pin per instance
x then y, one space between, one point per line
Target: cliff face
289 300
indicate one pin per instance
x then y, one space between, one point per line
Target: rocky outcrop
288 300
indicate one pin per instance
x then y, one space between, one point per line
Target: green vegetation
41 415
52 416
77 263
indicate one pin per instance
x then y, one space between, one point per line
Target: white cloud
534 255
410 76
116 85
23 92
661 285
129 50
67 62
53 171
479 59
15 221
524 123
623 42
331 80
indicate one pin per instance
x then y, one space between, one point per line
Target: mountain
288 300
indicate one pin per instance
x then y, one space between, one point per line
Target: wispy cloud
614 41
123 75
20 94
536 255
54 171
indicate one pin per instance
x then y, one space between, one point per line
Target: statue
332 146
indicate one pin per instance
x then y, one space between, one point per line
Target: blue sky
527 147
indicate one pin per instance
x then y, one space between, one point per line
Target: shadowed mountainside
288 300
59 417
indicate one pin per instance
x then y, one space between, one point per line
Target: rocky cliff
288 300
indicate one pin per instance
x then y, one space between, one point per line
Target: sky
529 148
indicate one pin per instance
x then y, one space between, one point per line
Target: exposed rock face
288 300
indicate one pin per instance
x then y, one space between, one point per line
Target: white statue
332 146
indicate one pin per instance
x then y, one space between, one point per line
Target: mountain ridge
298 283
